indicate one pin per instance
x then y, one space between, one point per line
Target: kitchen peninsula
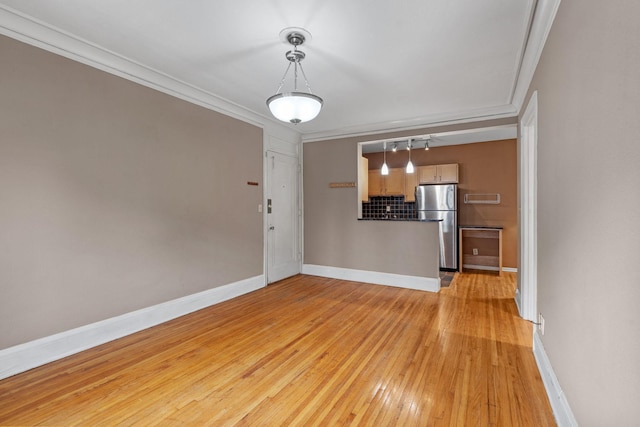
478 168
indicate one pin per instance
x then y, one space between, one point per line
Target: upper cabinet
438 174
410 183
386 185
363 182
394 182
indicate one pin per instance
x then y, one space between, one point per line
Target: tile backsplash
376 208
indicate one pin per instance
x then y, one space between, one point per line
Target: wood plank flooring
306 351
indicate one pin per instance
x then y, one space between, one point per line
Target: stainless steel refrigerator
440 202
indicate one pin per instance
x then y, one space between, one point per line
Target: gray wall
589 207
114 197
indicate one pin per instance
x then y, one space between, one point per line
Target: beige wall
589 207
484 167
332 234
114 197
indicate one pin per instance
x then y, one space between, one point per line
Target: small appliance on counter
440 202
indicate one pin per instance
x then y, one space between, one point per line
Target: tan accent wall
113 196
484 167
589 207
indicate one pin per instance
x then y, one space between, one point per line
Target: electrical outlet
388 208
541 323
475 251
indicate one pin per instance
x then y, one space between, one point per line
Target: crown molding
31 31
500 112
36 33
544 14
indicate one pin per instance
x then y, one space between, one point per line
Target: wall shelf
482 198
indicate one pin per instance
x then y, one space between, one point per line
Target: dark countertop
400 219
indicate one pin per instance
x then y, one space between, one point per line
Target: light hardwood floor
306 351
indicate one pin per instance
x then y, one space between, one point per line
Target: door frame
526 299
289 147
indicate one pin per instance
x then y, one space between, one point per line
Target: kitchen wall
589 207
114 197
484 167
333 236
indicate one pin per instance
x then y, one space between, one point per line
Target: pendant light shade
294 106
409 168
385 168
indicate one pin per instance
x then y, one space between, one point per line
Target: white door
283 253
526 297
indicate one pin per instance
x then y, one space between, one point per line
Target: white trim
528 170
36 33
509 269
447 119
517 299
557 399
23 357
429 284
543 18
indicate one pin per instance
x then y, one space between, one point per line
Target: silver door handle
272 228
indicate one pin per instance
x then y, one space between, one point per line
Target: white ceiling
378 64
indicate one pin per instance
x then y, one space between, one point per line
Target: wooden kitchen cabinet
363 181
376 185
438 174
394 182
410 183
389 185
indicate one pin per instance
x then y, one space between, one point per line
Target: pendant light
295 107
385 168
426 144
409 164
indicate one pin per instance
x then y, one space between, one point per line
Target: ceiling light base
288 33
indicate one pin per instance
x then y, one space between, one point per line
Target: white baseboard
430 284
561 410
517 300
489 268
23 357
